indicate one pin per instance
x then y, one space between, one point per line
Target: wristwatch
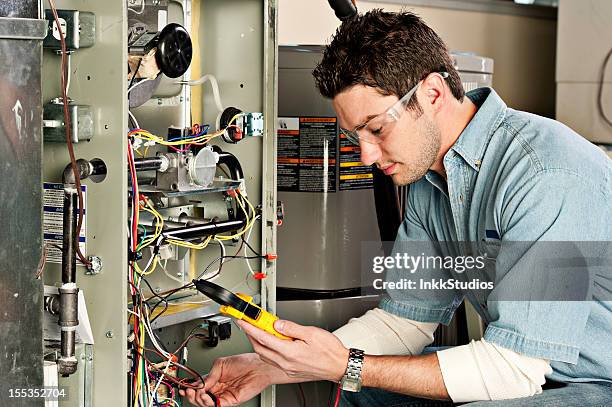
351 381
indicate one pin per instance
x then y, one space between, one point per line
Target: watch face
351 385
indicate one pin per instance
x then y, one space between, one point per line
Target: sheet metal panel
21 293
20 8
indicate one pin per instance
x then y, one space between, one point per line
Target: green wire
142 240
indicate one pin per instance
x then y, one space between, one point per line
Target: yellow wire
148 136
159 224
197 246
233 118
150 270
250 221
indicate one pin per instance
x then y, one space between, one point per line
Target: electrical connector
78 29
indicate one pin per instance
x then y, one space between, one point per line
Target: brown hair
388 51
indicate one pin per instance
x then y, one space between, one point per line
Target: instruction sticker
353 174
53 220
306 149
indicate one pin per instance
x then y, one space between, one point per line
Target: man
482 176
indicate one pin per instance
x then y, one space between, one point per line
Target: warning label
353 174
53 220
306 149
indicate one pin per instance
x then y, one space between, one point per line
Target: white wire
132 312
68 75
144 271
147 325
195 302
134 119
215 88
223 253
137 84
161 377
170 276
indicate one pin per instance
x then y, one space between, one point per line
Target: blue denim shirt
514 176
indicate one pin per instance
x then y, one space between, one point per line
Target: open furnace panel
171 109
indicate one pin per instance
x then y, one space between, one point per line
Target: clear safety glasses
374 130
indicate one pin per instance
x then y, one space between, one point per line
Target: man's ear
435 91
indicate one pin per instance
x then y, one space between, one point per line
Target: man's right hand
235 380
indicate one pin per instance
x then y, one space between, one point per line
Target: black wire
602 76
166 304
250 247
170 293
141 302
135 72
221 258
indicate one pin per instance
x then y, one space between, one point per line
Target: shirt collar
472 143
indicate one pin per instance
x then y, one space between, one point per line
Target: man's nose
370 153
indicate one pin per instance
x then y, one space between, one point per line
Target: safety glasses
374 130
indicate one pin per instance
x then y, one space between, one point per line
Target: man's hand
314 354
235 380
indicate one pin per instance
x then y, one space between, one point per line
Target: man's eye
377 132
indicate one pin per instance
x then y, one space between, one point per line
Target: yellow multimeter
239 306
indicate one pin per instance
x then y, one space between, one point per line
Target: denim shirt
514 176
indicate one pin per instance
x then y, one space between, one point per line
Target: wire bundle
147 377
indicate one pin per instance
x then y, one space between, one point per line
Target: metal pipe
69 240
68 321
52 304
232 163
201 231
191 220
151 163
85 168
68 292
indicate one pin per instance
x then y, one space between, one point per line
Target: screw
90 358
109 334
95 265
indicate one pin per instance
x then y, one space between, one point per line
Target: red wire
337 397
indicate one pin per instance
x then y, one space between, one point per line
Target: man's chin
401 179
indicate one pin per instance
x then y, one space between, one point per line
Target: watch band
351 381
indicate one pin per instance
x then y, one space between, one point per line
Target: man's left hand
314 354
